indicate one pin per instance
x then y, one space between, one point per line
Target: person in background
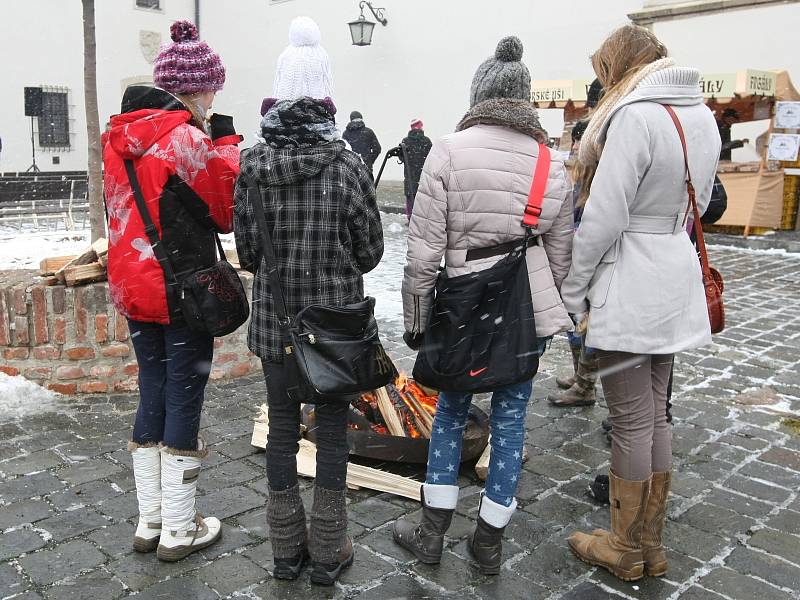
579 388
362 140
320 205
416 146
186 173
729 117
635 282
460 207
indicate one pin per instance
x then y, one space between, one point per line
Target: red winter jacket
187 181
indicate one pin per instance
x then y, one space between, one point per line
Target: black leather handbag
331 352
211 300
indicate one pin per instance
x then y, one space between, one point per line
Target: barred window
152 4
54 120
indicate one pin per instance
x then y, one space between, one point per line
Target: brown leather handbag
712 280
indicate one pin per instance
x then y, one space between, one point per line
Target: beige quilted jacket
472 194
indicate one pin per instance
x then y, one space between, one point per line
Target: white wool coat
472 194
633 265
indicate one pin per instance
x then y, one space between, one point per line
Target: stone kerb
73 341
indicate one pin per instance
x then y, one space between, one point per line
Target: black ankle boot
486 547
425 540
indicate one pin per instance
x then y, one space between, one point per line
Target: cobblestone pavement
67 499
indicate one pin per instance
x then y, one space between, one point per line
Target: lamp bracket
378 12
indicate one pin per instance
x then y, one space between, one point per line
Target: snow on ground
385 281
20 397
24 250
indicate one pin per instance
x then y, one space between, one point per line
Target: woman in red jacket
186 174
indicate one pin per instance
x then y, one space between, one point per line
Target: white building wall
420 65
41 42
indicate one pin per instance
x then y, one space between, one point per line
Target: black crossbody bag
481 332
331 352
212 300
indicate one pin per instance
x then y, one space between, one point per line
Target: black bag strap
149 226
268 253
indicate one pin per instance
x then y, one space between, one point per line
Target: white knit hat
304 68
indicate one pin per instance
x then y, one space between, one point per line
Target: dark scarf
301 123
519 115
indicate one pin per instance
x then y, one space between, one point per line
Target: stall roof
720 86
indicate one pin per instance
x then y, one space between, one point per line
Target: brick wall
72 340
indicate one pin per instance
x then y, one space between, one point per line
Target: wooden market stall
762 195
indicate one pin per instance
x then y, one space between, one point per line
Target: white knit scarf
591 148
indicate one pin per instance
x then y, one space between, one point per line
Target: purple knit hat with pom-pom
188 65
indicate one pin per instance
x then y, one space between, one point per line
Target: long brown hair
618 60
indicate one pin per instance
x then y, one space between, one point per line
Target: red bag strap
536 196
698 227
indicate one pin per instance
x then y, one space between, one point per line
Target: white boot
147 473
183 530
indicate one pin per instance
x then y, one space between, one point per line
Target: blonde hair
191 105
619 59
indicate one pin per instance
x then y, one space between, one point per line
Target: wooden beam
51 264
389 413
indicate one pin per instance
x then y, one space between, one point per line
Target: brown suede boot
655 558
567 382
581 393
619 551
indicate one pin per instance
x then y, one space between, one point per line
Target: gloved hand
413 340
221 126
581 321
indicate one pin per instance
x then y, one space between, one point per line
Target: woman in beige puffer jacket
472 195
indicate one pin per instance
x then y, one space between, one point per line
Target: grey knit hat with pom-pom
502 75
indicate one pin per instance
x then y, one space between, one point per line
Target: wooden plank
80 274
100 246
51 264
482 466
389 413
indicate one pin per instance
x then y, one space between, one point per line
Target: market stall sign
560 90
756 83
718 85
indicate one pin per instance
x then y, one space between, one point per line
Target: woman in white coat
635 280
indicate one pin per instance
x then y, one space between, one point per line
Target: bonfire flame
415 406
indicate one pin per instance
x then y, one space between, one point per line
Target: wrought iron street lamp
361 29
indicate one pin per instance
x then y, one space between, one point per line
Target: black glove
413 340
221 126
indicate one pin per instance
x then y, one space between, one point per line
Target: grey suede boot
567 382
426 540
331 550
286 518
582 392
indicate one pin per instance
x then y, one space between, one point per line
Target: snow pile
20 397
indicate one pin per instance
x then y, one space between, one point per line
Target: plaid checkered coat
322 213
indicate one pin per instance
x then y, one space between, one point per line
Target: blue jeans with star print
509 406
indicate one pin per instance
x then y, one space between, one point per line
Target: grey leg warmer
329 539
286 518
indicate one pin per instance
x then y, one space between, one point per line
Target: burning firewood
389 413
358 476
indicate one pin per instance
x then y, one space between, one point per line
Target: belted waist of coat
656 225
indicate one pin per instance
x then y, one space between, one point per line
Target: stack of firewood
87 267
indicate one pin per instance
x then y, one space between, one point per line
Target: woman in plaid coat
321 211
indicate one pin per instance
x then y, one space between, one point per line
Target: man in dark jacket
362 140
416 146
729 117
